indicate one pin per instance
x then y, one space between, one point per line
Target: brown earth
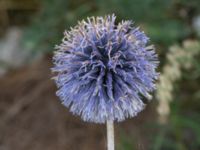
32 117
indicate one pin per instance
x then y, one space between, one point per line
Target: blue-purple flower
104 69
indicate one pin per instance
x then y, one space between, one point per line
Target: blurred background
32 117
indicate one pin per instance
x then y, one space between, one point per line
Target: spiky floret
104 69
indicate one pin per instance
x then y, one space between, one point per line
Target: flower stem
110 135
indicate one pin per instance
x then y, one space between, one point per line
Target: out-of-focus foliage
126 143
181 133
177 59
183 122
166 22
155 16
49 24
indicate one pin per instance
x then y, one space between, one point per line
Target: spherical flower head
104 69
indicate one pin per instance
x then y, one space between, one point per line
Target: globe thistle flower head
104 69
